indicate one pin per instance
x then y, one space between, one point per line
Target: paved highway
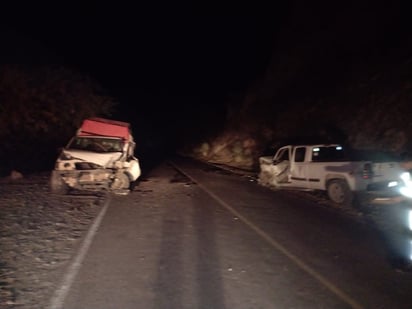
190 236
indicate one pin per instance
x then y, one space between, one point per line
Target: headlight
406 189
392 184
406 177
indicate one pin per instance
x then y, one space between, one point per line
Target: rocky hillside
325 83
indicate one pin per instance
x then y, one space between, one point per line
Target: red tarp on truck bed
104 127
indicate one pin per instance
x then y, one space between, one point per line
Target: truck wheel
57 185
339 192
121 181
133 184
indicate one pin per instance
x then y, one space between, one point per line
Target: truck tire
339 192
134 184
121 182
57 185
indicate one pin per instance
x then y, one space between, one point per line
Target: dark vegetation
336 75
41 107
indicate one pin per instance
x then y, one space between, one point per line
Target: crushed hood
102 159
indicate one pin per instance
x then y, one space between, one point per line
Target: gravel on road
39 234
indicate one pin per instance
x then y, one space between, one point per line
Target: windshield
96 144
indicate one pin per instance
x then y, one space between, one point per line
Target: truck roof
104 127
312 145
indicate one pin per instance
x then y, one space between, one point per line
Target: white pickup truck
100 156
327 167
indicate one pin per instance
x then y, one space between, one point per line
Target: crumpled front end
82 175
94 171
87 179
267 172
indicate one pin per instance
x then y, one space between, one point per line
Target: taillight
367 171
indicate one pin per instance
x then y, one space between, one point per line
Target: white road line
300 263
60 295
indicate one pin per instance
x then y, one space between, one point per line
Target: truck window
328 154
283 155
300 154
96 144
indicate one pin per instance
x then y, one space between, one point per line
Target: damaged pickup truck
331 169
99 157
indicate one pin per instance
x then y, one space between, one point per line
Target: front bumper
389 200
387 197
87 179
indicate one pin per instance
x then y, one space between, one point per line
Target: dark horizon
180 74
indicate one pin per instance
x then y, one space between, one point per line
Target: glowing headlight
406 176
392 184
406 191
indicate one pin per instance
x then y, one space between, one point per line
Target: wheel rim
337 193
121 182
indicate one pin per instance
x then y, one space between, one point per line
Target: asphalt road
215 240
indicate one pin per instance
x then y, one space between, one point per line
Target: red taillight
367 171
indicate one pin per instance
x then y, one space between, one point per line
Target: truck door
298 168
323 161
281 165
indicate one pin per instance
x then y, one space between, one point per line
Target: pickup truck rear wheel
339 192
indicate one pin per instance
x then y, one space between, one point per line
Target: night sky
170 52
180 49
173 66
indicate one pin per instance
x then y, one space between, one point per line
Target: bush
41 107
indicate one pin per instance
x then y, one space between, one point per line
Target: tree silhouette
41 107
